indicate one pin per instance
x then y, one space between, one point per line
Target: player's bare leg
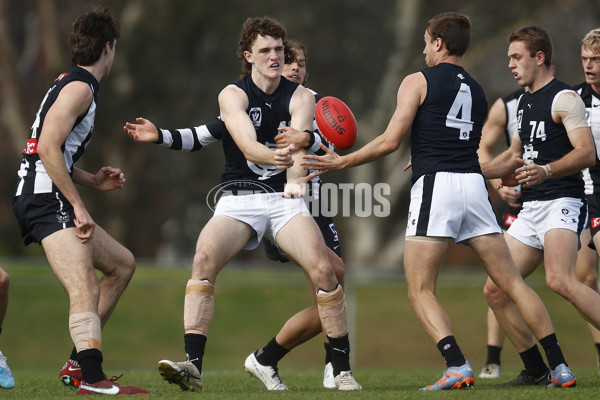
221 238
302 240
495 340
521 308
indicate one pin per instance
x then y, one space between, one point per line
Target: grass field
392 356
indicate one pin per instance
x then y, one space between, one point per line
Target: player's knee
202 263
493 294
559 285
590 279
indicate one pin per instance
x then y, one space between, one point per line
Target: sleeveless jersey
510 105
267 112
591 99
447 127
33 178
545 141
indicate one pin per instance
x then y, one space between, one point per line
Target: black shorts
40 215
509 214
594 217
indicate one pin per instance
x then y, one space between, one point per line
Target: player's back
447 127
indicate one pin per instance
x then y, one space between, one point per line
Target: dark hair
454 29
90 32
535 39
253 27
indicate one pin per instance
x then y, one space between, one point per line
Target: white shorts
449 204
538 217
266 213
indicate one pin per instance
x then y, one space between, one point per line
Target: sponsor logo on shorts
62 217
595 222
510 218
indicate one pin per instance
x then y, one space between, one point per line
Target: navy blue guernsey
267 112
591 99
545 141
32 174
446 131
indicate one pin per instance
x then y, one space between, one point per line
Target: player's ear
248 57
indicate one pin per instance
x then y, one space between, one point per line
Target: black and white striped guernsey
33 178
591 99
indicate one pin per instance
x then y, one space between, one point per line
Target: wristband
548 171
311 141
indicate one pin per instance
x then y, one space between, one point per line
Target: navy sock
533 361
194 348
271 353
493 354
73 355
554 354
90 361
451 352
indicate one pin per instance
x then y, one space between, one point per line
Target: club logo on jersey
565 211
264 171
595 222
334 231
31 147
62 217
256 116
461 76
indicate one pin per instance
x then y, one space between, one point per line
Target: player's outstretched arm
144 131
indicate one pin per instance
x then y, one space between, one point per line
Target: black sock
271 353
451 352
194 348
327 347
493 354
90 361
554 354
340 354
533 361
598 349
73 355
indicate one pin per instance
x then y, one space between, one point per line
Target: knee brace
199 306
332 311
86 331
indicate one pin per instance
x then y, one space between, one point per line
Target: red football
336 122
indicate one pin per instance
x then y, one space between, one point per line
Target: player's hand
288 135
510 196
408 165
144 131
109 178
530 174
330 161
283 157
84 223
296 188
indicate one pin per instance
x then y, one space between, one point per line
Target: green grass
304 384
391 354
